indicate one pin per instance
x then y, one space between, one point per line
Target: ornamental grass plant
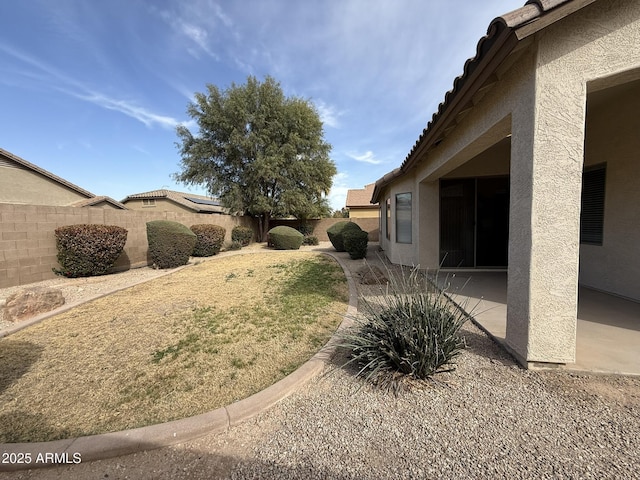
409 333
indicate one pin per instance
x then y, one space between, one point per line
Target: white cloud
328 114
49 77
129 109
366 157
197 35
190 124
200 23
338 194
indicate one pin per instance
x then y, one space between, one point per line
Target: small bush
86 250
233 246
410 332
355 242
306 229
170 243
209 239
336 232
285 238
310 240
244 235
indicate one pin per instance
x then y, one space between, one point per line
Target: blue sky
93 90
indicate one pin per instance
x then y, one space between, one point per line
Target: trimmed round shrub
86 250
244 235
336 231
355 243
209 239
170 243
285 238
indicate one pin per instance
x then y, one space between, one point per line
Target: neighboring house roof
361 198
7 158
30 166
197 203
91 202
503 35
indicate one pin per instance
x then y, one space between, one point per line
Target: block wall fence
320 226
28 245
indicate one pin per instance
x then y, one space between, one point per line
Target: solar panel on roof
202 201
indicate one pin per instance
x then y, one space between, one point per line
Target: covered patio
608 326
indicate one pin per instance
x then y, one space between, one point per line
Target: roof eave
504 35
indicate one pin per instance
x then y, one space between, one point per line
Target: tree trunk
263 224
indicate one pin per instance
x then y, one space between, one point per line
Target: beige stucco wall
541 101
372 212
401 253
22 186
602 42
492 162
613 136
161 205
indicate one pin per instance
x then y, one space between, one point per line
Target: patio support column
547 152
428 205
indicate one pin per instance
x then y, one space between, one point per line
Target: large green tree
263 154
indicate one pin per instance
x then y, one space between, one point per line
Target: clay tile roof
197 203
89 202
502 36
360 197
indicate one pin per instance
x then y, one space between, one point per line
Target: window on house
149 202
403 218
592 205
387 226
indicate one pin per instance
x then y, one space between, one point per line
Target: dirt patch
173 347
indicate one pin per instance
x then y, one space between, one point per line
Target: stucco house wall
23 183
161 205
494 161
613 136
538 95
355 212
21 186
401 253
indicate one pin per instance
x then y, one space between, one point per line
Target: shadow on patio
608 328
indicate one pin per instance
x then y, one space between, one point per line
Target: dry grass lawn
173 347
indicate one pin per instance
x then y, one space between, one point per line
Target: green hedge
170 243
336 232
209 239
244 235
86 250
355 242
285 238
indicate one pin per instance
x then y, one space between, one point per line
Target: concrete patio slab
608 327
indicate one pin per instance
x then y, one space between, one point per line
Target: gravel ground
487 419
78 289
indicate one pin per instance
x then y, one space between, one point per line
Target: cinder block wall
371 225
28 246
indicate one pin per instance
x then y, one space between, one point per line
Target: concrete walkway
608 327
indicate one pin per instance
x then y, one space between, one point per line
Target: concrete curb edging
23 456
